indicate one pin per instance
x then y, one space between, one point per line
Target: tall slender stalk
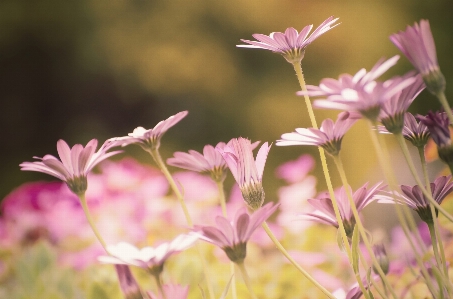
83 202
443 100
160 163
286 254
246 278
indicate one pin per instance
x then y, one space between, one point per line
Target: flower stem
362 231
246 278
286 254
83 202
159 286
433 213
160 163
427 194
300 77
224 212
444 102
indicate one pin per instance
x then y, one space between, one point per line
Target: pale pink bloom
291 44
296 170
324 212
191 183
149 258
150 138
75 164
393 110
233 236
247 171
210 161
329 136
417 44
172 291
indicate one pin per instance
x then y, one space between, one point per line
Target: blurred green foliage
97 69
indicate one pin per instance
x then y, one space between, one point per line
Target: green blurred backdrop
86 69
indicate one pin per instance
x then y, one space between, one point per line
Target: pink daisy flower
172 291
247 171
290 44
149 258
417 44
210 161
324 212
329 136
232 237
75 164
150 138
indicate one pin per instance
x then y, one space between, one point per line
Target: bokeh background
97 69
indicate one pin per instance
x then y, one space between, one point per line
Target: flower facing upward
324 211
417 44
75 164
232 237
247 171
210 161
150 139
291 44
329 136
392 112
416 200
149 258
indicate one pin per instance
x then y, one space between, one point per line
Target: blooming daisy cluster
193 240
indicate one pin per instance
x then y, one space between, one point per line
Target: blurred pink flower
291 44
417 44
148 258
210 161
232 236
172 291
75 164
150 138
329 136
296 170
324 212
247 171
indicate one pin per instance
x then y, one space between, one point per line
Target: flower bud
381 257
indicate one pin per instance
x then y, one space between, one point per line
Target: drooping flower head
290 44
128 284
324 211
247 171
417 44
414 198
150 138
75 164
232 237
148 258
329 136
172 291
438 125
393 110
210 161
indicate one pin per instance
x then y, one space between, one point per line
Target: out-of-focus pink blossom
291 44
172 291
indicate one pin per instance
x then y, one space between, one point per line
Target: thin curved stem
160 163
246 278
83 202
359 224
159 286
286 254
322 155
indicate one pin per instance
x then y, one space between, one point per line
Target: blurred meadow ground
97 69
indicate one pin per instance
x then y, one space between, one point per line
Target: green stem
421 153
359 224
159 286
427 194
432 233
83 202
444 102
322 155
160 163
286 254
224 212
246 278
